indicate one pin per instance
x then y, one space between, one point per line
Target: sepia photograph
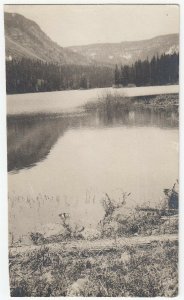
92 97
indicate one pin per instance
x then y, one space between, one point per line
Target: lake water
68 163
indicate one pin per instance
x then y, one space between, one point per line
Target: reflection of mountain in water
31 139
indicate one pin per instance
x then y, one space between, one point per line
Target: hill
24 38
129 52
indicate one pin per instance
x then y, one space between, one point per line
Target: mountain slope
129 52
24 38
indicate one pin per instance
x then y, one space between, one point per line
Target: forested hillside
29 76
158 71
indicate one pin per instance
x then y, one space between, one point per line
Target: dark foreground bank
147 269
134 255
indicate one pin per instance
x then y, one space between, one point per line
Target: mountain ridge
121 42
127 52
25 38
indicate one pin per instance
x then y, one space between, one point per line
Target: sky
71 25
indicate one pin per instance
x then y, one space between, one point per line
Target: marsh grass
118 219
113 102
109 102
141 220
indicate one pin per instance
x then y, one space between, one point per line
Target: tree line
158 71
28 76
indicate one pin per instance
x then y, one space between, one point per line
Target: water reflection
30 139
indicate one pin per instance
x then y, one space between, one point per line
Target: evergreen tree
117 75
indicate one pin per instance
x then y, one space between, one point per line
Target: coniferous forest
29 76
158 71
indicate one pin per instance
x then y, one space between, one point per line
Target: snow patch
127 56
172 49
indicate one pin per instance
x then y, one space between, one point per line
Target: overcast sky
70 25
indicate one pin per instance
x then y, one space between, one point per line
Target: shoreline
98 88
95 245
111 270
81 267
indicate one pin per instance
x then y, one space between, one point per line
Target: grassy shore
142 270
115 102
133 254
